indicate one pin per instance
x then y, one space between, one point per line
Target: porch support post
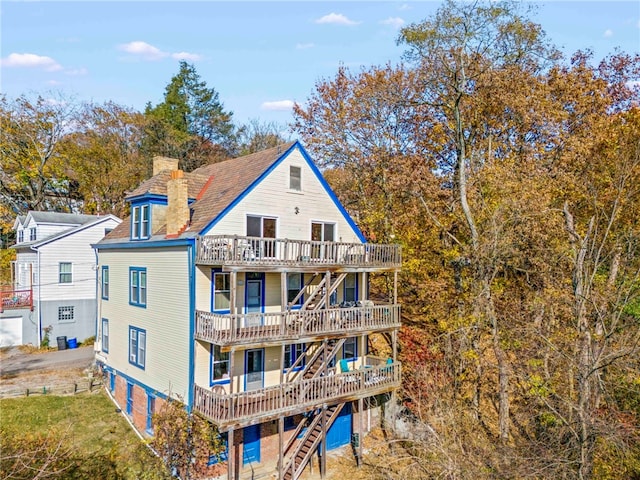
327 287
360 433
323 450
233 276
395 287
280 447
231 455
281 364
283 302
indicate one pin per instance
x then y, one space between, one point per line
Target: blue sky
259 56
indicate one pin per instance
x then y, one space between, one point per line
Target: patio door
254 369
254 299
265 228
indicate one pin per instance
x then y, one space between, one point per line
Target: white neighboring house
54 278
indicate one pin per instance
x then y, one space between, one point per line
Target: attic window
295 178
140 222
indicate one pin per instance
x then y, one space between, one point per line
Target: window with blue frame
223 455
294 285
291 354
105 282
140 222
221 291
350 348
105 335
350 288
137 347
151 406
138 286
219 365
129 398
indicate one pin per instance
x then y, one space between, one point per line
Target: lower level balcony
300 325
10 299
247 408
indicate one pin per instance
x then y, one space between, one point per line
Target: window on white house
324 232
66 314
294 284
138 286
350 288
105 282
350 348
137 346
64 272
219 365
32 234
20 236
221 291
105 335
295 178
291 354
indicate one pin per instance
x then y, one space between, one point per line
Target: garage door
10 331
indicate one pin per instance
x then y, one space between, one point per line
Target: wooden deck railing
290 398
241 251
15 299
247 328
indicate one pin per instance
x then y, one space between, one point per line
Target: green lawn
97 442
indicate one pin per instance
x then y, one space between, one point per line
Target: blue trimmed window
129 398
140 221
221 291
219 365
137 347
105 335
223 456
138 286
151 406
291 354
294 285
350 293
350 348
105 282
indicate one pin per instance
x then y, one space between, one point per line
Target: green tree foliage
190 123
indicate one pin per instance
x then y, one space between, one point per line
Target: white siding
272 198
165 318
76 249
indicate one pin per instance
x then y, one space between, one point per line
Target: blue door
251 445
340 432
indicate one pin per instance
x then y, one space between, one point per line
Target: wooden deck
10 299
248 408
269 253
298 325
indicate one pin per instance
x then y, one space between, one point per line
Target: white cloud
192 57
395 22
405 6
76 71
148 52
54 82
30 60
278 105
608 33
336 19
305 46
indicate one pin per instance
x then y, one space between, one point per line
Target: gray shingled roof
62 218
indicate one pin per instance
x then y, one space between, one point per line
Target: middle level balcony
299 325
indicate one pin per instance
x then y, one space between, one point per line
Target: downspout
38 287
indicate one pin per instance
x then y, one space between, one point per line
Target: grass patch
95 441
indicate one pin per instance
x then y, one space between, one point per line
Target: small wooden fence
55 388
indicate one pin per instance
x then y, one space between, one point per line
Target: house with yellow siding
241 288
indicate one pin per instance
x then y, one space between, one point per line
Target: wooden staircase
298 451
317 298
315 366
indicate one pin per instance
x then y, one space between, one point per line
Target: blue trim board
155 198
191 258
179 242
148 390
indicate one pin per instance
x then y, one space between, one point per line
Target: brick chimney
161 164
177 204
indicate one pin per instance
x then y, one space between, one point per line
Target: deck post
232 377
283 301
231 455
323 450
360 433
280 447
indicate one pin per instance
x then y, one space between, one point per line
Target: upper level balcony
10 299
299 325
272 253
247 408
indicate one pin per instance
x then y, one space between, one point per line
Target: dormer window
32 234
20 236
140 222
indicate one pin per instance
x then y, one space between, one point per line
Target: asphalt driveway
14 361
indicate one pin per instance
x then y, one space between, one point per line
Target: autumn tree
32 174
190 123
103 156
255 136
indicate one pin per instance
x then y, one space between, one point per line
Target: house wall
272 198
166 318
81 327
26 267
